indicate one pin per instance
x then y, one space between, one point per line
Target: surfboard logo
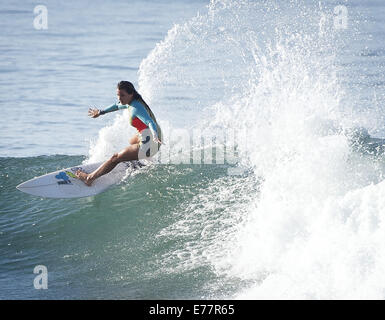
71 174
64 178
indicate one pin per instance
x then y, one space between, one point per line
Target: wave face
307 223
304 220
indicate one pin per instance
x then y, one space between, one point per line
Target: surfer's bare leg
135 140
129 153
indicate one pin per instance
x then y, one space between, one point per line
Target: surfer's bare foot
84 177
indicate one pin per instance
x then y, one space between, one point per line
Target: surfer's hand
93 113
158 141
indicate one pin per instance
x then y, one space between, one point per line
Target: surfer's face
124 97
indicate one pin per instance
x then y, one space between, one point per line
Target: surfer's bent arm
146 120
152 127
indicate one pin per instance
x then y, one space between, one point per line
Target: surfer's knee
115 158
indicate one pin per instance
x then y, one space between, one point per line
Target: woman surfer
143 145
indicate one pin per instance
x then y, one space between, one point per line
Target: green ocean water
109 245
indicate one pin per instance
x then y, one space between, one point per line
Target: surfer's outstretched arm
94 113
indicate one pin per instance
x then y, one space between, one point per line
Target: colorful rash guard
139 116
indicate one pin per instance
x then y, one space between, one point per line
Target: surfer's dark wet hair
129 88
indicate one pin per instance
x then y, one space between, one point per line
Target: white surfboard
64 184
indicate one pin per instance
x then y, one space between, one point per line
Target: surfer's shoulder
136 103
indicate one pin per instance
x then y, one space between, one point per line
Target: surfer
144 144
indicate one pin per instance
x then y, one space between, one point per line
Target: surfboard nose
22 185
27 184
